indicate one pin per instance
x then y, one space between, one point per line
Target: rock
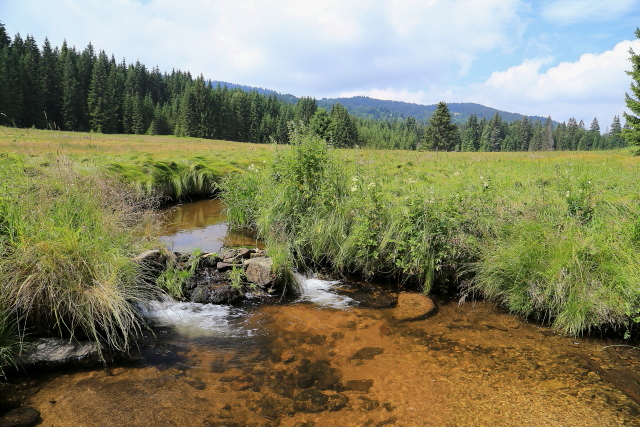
310 401
367 353
413 306
155 261
225 266
215 294
258 271
362 386
319 374
231 256
209 260
56 351
20 417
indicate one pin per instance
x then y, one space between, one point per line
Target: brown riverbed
304 365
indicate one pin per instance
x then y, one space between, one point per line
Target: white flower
354 188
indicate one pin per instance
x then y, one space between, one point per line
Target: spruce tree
342 127
594 135
472 134
441 133
631 132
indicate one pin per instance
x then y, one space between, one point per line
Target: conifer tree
441 133
51 77
342 128
594 135
472 134
631 132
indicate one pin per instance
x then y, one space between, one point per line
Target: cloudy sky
564 58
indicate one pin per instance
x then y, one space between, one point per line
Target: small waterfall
319 292
192 319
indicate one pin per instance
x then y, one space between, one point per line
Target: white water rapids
193 320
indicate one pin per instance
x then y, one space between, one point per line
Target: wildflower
354 188
568 194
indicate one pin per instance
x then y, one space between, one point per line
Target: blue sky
548 57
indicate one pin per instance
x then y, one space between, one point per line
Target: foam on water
319 292
193 319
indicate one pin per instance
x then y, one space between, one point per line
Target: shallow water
307 363
329 358
201 224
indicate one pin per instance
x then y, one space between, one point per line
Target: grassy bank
550 235
555 236
74 210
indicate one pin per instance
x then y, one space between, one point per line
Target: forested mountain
291 99
362 106
371 108
68 89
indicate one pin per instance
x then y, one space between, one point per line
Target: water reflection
201 224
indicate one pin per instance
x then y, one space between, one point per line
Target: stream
335 356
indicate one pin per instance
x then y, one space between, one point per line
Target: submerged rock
314 401
20 417
367 353
57 351
413 306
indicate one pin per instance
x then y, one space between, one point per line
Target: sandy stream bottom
469 365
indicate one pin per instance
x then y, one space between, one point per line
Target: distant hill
291 99
365 107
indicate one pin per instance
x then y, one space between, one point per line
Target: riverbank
553 236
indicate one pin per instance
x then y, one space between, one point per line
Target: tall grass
66 242
555 236
324 211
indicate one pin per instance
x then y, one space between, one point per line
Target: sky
558 58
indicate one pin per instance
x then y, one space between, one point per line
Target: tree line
67 89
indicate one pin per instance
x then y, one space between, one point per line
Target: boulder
413 306
226 266
57 351
215 294
231 256
258 271
155 261
209 260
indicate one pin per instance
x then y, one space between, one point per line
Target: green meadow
553 236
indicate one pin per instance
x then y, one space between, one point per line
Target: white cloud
312 47
594 85
573 11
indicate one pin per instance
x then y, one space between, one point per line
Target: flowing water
335 356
